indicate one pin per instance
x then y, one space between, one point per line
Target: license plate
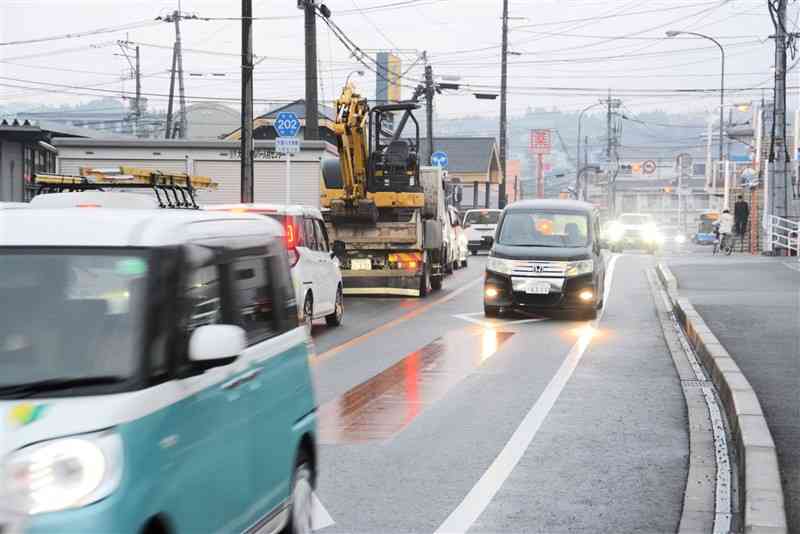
361 264
538 288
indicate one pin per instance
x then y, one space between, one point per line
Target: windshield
482 217
635 220
69 315
544 229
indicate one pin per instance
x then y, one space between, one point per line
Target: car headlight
499 265
62 473
577 268
651 235
615 233
680 239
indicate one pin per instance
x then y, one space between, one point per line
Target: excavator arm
350 128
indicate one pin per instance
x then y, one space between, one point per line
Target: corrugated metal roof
464 154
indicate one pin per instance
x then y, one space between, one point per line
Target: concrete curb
760 490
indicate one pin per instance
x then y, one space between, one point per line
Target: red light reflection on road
388 402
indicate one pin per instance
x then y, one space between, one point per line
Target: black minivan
546 256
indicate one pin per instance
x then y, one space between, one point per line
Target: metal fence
784 234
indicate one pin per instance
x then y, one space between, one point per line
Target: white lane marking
795 266
482 493
471 318
320 518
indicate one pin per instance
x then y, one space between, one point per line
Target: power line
124 27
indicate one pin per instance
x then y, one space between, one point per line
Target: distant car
153 377
635 231
315 267
461 243
673 236
480 226
547 257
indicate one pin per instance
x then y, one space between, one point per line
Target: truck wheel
425 280
448 267
436 282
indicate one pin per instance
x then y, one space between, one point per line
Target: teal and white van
153 377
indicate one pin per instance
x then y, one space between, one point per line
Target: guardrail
784 234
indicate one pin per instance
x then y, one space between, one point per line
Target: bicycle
725 243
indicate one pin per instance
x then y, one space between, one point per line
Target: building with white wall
217 159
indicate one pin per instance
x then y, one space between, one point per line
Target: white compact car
480 225
315 268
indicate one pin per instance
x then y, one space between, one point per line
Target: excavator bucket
364 211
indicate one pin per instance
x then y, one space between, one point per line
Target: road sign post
287 125
540 144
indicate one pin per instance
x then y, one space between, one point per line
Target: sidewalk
752 305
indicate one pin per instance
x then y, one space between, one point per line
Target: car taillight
292 241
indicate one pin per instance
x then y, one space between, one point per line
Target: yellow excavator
384 211
378 171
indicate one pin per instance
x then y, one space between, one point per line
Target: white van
151 364
480 225
315 267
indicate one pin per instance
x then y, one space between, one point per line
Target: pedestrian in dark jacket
741 212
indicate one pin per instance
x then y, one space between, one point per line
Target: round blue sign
439 159
287 124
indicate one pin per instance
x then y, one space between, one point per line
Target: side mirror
339 250
216 344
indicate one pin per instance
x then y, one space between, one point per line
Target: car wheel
308 313
474 252
301 499
589 315
335 319
491 311
464 263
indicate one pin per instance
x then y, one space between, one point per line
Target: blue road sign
287 124
439 159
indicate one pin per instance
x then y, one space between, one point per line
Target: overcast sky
570 51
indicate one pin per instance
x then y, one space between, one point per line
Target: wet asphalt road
433 419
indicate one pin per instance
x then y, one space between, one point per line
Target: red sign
540 142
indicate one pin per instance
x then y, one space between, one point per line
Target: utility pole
136 74
181 88
177 70
778 187
312 99
612 104
503 106
247 187
138 92
429 92
168 133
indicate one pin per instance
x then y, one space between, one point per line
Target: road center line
482 493
391 324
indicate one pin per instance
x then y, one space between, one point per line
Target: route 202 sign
287 124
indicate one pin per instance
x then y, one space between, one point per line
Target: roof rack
173 190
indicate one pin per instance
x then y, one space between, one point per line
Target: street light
580 118
673 33
347 80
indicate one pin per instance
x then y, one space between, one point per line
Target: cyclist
724 230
